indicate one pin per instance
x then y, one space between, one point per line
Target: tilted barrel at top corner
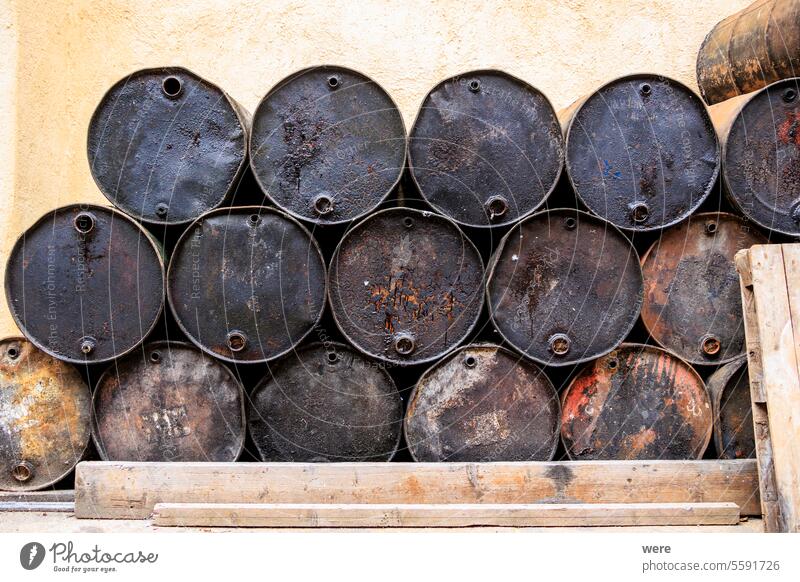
246 284
406 286
165 145
85 283
750 49
328 145
486 148
641 151
760 135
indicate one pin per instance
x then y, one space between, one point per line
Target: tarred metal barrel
761 154
483 403
85 283
246 284
168 402
406 286
45 412
641 151
326 402
637 402
692 302
729 388
486 148
564 287
328 144
749 50
165 145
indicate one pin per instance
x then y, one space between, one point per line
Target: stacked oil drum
503 282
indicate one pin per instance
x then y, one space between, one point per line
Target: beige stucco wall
60 56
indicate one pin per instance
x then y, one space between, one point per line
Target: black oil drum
165 145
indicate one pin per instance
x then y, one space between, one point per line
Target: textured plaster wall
60 56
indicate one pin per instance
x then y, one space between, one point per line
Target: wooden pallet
770 282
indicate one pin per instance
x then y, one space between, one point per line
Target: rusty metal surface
45 411
406 286
486 148
761 155
165 145
168 402
564 287
85 283
246 284
326 402
749 50
641 152
692 301
729 388
637 402
328 144
483 403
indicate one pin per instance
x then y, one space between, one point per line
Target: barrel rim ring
163 345
245 211
327 68
700 217
585 216
267 379
115 214
171 70
519 361
703 110
641 348
68 369
419 214
749 98
525 85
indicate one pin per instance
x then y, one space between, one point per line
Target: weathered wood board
113 490
442 515
770 281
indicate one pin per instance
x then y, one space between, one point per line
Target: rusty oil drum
637 402
486 148
749 50
406 286
483 403
165 145
641 152
564 287
328 144
326 402
85 283
246 284
692 301
729 388
761 155
168 402
45 415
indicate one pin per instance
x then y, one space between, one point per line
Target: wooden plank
766 475
116 490
442 515
50 496
775 270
